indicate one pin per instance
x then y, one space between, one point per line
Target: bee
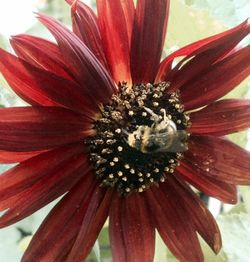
161 136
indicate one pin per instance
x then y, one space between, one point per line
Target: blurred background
190 20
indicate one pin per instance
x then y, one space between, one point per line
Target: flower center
140 137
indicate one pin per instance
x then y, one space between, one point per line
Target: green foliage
231 12
97 251
209 254
3 168
245 192
58 9
235 230
101 250
161 251
3 42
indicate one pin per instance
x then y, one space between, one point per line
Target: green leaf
235 230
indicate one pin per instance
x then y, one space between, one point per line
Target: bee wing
170 142
179 143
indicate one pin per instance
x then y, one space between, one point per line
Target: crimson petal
88 71
221 190
222 117
132 233
94 219
56 235
28 172
227 38
213 84
219 158
41 53
38 128
118 246
167 63
201 62
8 157
52 185
85 26
148 38
40 87
116 20
174 223
203 220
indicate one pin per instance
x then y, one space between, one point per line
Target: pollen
120 173
124 163
119 148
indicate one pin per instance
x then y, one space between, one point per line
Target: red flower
107 127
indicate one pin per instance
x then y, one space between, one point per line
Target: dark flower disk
122 133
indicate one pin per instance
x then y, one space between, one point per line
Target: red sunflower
121 133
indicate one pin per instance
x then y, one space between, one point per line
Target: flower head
122 133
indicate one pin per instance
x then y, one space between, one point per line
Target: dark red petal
222 117
119 251
203 220
221 190
217 81
40 53
38 128
40 87
52 185
167 63
94 219
132 233
116 20
85 26
8 157
224 39
88 71
27 173
57 233
204 60
174 223
220 159
20 80
148 38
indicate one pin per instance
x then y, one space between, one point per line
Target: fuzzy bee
161 136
